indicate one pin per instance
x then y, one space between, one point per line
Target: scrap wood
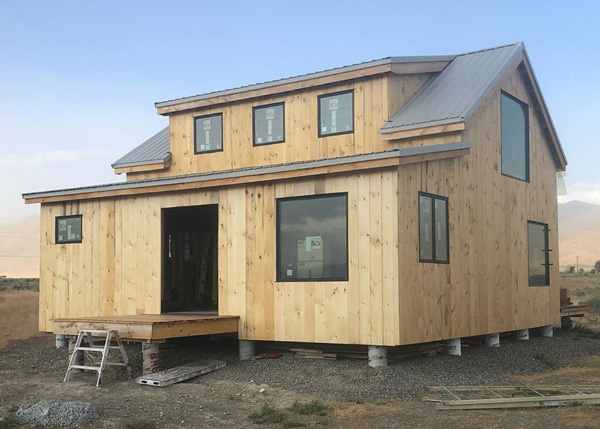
500 397
270 355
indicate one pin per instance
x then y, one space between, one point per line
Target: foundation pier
453 347
61 341
150 353
247 349
547 331
492 340
377 356
523 335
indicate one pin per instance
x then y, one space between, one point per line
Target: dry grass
19 320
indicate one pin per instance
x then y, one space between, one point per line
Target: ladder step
91 349
89 368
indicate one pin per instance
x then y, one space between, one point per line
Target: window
68 229
539 254
514 117
336 113
208 133
433 228
268 124
312 238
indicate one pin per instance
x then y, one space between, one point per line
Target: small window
312 238
208 133
514 117
336 113
268 124
68 229
539 254
433 228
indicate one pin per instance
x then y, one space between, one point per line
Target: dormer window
514 117
336 113
268 124
208 133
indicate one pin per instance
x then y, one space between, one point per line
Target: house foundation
377 356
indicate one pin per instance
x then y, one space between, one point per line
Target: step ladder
109 336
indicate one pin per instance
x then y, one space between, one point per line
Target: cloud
582 191
52 157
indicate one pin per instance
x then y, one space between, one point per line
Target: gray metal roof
251 171
155 149
299 78
453 94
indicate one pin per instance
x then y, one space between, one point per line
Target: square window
514 119
208 133
68 229
336 113
312 238
539 254
268 124
433 228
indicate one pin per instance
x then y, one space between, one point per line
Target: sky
78 80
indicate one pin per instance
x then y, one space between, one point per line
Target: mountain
20 247
579 233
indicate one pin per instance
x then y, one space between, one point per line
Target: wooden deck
151 327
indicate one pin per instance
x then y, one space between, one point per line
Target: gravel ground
350 379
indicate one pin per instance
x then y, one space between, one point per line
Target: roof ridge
490 49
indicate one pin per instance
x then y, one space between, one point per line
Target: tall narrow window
336 113
68 229
514 118
268 124
433 228
539 254
208 133
312 238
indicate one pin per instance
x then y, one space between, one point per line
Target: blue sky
78 79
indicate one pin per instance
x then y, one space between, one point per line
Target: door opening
190 259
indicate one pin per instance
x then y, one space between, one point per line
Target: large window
268 124
539 254
433 228
68 229
312 238
336 113
515 137
208 133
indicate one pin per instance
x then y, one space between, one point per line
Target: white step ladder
109 336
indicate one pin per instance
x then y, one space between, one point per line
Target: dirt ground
31 369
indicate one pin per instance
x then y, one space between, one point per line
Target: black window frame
527 132
546 251
331 94
278 276
59 218
196 152
266 106
433 197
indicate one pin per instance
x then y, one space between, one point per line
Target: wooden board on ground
180 373
501 397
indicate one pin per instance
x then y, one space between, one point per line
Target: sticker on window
333 104
313 243
206 124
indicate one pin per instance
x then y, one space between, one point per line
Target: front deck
151 327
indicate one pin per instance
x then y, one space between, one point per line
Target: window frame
196 152
527 132
278 277
331 94
547 251
265 106
59 218
433 197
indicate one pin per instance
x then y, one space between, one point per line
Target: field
326 393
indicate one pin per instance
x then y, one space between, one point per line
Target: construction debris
180 373
497 397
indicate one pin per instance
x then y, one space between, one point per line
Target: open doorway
190 279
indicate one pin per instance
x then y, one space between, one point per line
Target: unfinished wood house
392 202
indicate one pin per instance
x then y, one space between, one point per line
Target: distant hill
579 233
20 248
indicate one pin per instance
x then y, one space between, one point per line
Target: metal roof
250 171
155 149
453 94
299 78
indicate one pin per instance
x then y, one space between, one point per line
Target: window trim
59 218
546 254
433 260
278 278
527 132
347 91
196 152
264 106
